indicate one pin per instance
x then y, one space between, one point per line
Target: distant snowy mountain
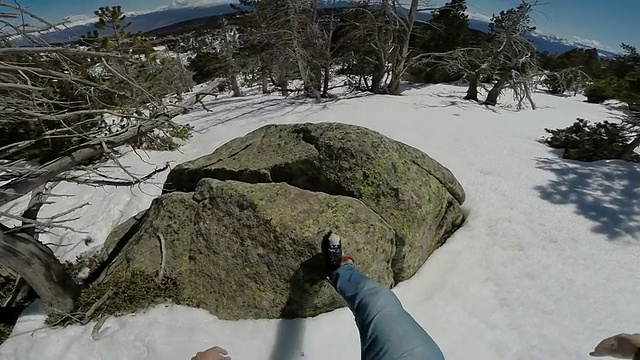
163 17
140 21
554 44
544 42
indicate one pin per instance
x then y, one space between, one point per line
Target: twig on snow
94 307
163 257
97 327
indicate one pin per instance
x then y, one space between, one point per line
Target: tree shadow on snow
226 110
605 192
563 95
405 86
289 338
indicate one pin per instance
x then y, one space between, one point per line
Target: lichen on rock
242 225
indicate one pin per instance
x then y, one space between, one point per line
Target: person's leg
387 331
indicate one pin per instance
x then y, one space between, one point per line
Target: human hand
215 353
621 346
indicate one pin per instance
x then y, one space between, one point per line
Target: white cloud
180 3
479 17
78 18
589 43
198 3
592 43
74 20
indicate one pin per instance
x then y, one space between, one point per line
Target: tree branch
93 148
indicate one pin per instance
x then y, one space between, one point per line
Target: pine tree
500 22
449 27
448 30
112 18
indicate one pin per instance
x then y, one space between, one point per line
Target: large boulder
417 196
245 250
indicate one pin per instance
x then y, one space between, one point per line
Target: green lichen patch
121 294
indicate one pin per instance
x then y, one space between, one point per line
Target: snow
544 267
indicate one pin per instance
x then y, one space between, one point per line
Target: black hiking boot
332 253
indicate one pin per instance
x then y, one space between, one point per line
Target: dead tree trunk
326 66
472 91
317 81
283 81
515 55
377 78
496 90
629 149
325 81
235 86
22 291
401 58
264 74
38 265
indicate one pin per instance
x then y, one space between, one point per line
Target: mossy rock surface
416 195
245 250
242 226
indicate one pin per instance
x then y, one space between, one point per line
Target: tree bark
22 291
325 81
472 91
494 93
629 149
283 82
40 268
265 80
235 86
399 66
376 79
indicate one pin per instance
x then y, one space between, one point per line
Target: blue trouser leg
387 331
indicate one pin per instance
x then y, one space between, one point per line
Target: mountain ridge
153 20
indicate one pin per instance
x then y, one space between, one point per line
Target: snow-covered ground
544 268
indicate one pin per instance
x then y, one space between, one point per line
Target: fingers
606 347
219 350
633 338
600 354
622 346
214 353
219 353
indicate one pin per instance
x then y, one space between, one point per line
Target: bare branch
109 182
163 256
40 268
93 148
57 50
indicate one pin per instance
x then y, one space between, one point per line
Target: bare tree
230 46
405 28
379 34
217 54
65 110
511 58
515 57
293 39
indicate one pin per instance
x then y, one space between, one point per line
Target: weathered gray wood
38 265
23 185
629 149
21 289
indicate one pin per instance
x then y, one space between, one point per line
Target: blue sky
607 22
